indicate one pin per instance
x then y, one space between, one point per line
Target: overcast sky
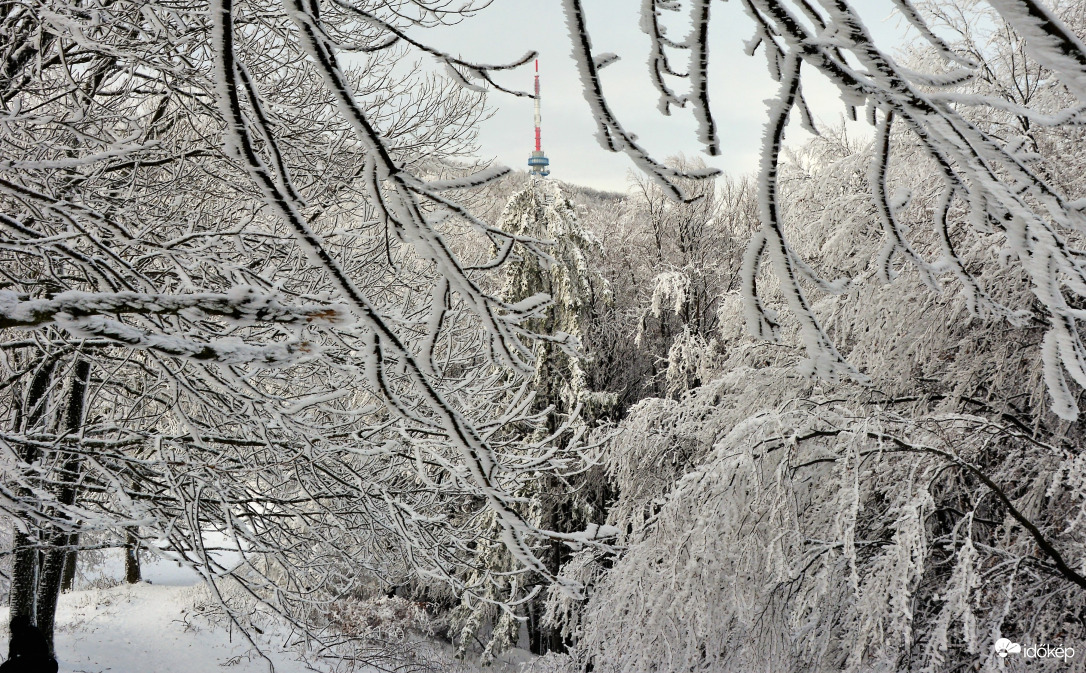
739 86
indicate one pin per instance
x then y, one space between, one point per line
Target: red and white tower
538 162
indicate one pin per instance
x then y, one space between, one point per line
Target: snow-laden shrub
382 618
551 662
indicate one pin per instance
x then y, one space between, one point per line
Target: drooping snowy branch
610 134
245 305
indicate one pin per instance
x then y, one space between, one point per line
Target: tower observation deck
538 162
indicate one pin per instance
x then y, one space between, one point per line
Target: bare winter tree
240 313
695 250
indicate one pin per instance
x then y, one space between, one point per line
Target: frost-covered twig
245 305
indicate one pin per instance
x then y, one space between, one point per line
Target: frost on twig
243 305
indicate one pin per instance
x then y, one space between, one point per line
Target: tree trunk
24 564
49 591
558 515
24 577
67 577
131 558
535 631
72 465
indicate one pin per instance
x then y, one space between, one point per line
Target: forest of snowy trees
265 313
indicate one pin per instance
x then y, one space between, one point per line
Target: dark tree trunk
558 515
131 557
72 465
24 564
535 631
49 591
67 578
24 577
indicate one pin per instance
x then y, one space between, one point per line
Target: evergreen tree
541 211
562 401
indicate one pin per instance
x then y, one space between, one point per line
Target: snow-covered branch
243 305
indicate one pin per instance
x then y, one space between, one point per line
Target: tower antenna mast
538 162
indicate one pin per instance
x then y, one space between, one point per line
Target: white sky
507 29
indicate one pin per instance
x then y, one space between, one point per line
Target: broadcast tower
538 162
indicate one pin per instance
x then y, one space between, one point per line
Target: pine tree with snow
542 211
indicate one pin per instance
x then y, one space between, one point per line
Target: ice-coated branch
659 64
1048 40
824 360
225 352
246 305
456 66
610 134
895 241
402 210
699 78
909 11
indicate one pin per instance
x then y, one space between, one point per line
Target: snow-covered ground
166 626
149 627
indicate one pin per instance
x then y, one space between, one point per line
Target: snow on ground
164 627
153 628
